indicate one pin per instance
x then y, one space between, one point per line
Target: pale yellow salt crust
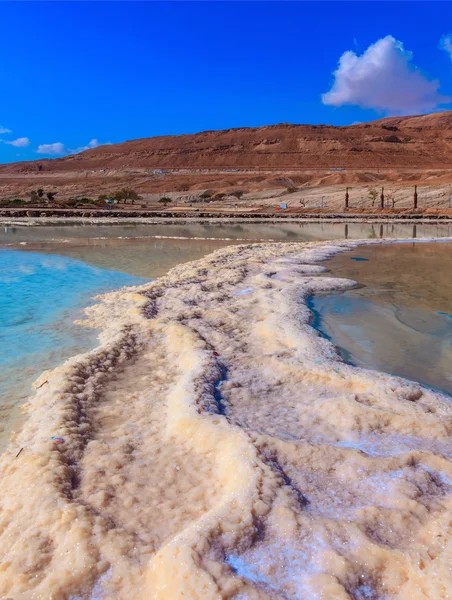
215 446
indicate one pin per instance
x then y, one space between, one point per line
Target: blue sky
74 74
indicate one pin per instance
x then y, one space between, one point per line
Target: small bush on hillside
13 202
165 200
391 197
373 195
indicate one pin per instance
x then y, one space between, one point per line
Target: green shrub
13 202
125 195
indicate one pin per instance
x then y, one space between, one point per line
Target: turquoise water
40 297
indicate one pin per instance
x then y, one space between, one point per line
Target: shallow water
151 250
40 296
400 319
229 231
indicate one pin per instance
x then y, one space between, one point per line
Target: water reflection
232 231
150 250
400 319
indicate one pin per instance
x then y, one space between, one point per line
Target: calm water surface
40 296
400 319
232 231
150 250
48 274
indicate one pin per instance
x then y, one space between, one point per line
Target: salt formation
214 446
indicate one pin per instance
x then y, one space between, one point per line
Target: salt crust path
216 447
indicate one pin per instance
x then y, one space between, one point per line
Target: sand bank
214 446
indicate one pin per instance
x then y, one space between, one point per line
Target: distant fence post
346 198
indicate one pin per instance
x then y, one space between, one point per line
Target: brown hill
419 142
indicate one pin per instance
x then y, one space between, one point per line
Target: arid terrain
305 166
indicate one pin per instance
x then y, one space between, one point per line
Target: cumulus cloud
445 44
383 78
22 142
4 130
53 149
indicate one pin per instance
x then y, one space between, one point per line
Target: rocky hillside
420 142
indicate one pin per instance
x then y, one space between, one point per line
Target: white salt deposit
216 447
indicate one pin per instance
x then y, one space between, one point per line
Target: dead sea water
40 297
70 234
42 294
399 320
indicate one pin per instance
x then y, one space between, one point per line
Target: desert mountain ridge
416 142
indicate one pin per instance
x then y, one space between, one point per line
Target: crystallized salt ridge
215 446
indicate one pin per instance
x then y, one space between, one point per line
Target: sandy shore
214 446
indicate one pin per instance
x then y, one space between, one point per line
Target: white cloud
383 78
4 130
445 44
60 148
22 142
57 148
94 143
